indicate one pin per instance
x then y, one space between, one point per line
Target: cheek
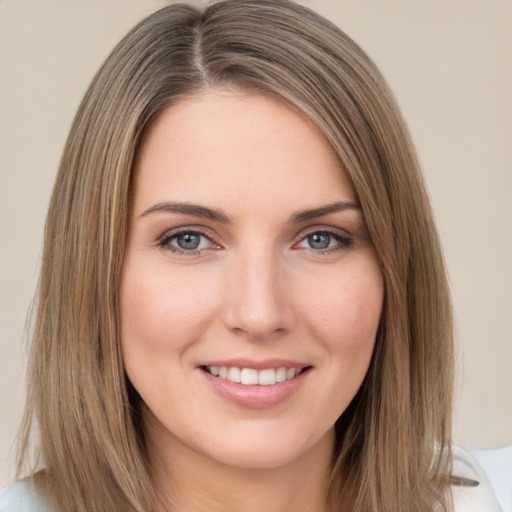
345 314
161 310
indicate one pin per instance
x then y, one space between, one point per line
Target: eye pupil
188 241
319 240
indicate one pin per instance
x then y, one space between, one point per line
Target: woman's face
248 259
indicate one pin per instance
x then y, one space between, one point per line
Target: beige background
450 64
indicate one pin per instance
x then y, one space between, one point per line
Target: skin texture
255 288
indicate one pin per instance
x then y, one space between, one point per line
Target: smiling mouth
253 377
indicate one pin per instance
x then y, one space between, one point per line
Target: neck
189 481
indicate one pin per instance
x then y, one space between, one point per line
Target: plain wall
450 65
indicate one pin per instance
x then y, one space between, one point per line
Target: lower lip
256 397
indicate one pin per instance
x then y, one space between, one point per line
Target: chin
268 452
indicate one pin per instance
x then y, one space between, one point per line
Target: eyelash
344 241
165 242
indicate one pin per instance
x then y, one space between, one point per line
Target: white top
470 499
23 497
497 464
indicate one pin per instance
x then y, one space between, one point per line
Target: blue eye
325 240
186 241
319 240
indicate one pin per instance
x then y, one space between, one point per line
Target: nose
258 302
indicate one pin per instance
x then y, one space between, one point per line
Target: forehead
222 144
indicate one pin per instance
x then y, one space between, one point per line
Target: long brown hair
393 441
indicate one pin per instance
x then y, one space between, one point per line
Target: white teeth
249 376
267 377
252 377
234 374
281 375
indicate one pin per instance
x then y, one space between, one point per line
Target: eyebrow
187 209
339 206
196 210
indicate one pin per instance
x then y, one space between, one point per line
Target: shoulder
22 496
478 497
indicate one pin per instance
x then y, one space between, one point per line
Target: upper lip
263 364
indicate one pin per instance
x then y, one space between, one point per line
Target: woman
242 303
